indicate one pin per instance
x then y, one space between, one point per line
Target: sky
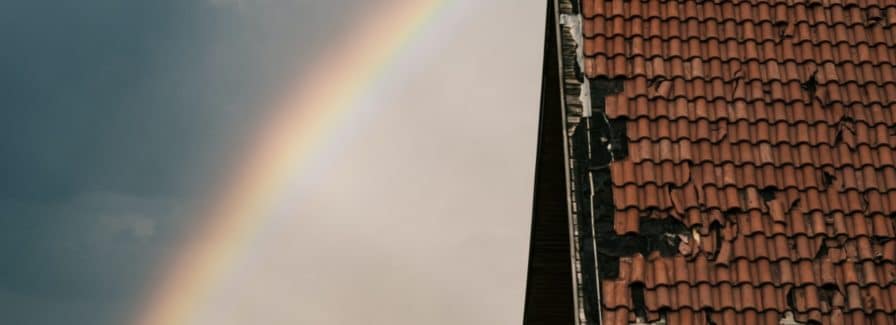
119 118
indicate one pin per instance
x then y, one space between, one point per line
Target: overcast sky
118 116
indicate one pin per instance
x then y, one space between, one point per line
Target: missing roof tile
609 266
791 298
829 295
827 179
636 290
781 27
768 193
663 235
707 316
716 229
810 85
618 138
822 251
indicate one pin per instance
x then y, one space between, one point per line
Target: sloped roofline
552 279
550 295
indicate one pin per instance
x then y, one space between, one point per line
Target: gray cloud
66 247
81 260
118 117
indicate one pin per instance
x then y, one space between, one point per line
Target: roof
761 147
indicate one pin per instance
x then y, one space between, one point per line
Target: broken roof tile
767 128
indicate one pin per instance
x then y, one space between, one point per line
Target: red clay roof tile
766 127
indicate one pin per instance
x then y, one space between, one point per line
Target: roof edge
551 294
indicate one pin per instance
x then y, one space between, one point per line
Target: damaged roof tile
767 129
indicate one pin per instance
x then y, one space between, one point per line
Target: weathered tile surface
768 129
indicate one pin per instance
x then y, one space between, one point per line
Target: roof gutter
576 102
562 19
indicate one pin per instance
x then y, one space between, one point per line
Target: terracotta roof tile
768 129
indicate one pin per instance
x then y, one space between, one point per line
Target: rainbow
313 108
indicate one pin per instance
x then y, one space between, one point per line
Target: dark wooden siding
549 287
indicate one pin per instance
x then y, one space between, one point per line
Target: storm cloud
120 117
